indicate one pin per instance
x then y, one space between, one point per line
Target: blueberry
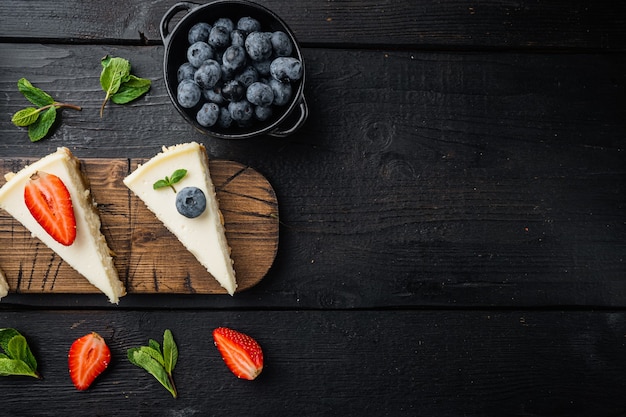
262 67
249 24
260 94
240 111
190 202
282 92
198 53
226 23
234 57
213 95
208 114
238 38
185 72
259 46
286 69
262 113
208 74
198 32
281 44
248 76
188 94
219 37
233 90
225 119
228 74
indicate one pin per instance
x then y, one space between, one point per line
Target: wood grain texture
326 363
448 179
148 257
558 24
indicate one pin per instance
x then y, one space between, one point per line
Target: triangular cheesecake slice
4 285
86 250
189 207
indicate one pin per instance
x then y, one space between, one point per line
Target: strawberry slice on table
49 201
89 356
241 353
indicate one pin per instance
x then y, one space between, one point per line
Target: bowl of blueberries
233 69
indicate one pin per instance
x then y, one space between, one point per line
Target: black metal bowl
285 120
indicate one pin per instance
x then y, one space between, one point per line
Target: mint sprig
176 176
118 83
16 357
158 362
41 118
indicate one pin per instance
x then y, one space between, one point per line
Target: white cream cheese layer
204 235
89 255
4 285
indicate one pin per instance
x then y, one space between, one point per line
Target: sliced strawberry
89 356
242 354
49 201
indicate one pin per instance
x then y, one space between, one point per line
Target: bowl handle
173 11
304 113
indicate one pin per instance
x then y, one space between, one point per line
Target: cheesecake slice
4 285
199 227
87 251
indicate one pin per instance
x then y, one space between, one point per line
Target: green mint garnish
170 181
16 357
158 362
41 118
119 84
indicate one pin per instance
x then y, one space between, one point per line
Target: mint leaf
10 367
120 85
130 90
154 354
178 175
17 358
39 120
25 116
40 128
5 337
159 365
114 72
170 352
18 349
33 94
146 362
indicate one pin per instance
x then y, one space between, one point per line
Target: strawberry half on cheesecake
177 187
52 199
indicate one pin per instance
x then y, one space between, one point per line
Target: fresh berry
208 114
259 45
286 69
248 24
281 44
260 94
241 353
199 52
188 94
199 32
208 74
191 201
50 203
89 356
219 38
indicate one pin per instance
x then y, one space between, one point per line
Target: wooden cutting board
148 257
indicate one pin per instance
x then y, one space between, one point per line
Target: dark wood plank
558 24
450 179
148 257
397 363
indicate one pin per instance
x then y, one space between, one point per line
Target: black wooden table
453 214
